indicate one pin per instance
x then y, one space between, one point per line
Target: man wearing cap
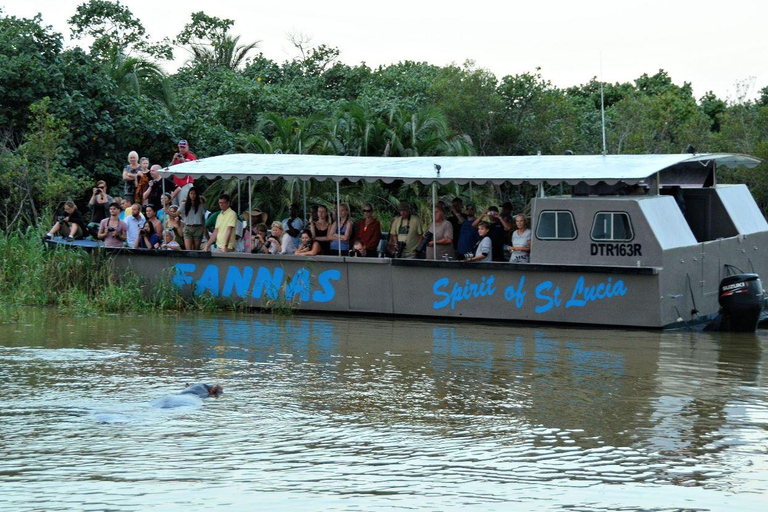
406 228
183 184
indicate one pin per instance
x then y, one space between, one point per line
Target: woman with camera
112 230
279 241
308 247
149 236
71 224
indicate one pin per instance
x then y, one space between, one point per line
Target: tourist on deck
521 242
358 250
280 241
468 235
183 184
99 206
340 231
149 235
506 213
153 195
70 224
193 218
368 231
319 228
441 245
174 223
406 228
293 225
112 230
259 244
308 247
456 217
224 231
498 227
125 208
169 241
130 172
165 202
142 181
135 222
483 251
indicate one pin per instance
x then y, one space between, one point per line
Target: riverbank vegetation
79 283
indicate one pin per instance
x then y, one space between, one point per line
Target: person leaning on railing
112 230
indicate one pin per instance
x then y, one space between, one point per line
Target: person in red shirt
368 231
183 184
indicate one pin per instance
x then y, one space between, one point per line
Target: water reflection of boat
643 240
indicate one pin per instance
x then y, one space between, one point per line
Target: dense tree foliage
68 115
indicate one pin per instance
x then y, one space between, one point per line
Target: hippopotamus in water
191 396
203 390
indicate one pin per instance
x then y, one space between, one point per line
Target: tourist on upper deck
308 246
456 217
69 224
368 231
193 217
441 245
142 181
174 223
406 228
319 228
484 248
340 231
135 222
280 241
149 235
112 230
521 242
468 235
293 225
99 206
125 208
225 229
182 184
498 227
130 172
169 241
153 195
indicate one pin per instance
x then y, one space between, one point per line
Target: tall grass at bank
78 282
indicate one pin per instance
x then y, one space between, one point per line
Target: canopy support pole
434 222
250 209
338 217
471 193
304 193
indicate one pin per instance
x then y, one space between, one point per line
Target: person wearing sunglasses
368 231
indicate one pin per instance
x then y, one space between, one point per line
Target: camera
60 218
152 182
110 229
354 253
428 237
399 251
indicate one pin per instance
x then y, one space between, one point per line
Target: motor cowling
741 302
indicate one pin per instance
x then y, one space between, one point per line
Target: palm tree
221 52
423 133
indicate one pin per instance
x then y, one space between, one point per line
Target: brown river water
331 413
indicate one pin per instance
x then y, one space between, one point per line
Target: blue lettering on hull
266 283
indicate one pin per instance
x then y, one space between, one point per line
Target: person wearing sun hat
183 185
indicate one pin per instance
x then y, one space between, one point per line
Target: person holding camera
498 228
154 193
70 224
112 230
406 232
308 247
183 185
483 250
99 206
149 235
259 243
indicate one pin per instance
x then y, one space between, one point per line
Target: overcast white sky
711 44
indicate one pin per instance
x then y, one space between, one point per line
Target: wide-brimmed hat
260 216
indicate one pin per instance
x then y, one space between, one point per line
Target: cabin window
612 226
556 225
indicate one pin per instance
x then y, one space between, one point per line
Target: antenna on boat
602 104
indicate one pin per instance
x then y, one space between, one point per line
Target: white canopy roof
571 169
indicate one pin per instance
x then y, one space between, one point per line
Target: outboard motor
741 302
